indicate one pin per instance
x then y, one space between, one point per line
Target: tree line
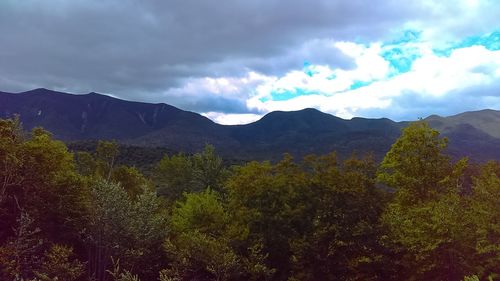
417 215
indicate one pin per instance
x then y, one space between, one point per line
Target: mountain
94 116
311 131
475 134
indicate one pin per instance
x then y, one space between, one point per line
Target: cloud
249 57
433 84
232 119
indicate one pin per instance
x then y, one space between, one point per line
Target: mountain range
94 116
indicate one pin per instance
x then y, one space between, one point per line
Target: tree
344 243
209 170
131 180
11 161
200 245
425 215
11 138
60 264
270 205
197 246
126 229
416 166
86 164
21 255
106 154
484 216
173 176
38 178
180 173
102 165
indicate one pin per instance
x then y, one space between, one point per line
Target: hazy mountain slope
475 134
486 121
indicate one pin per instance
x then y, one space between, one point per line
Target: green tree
173 176
180 173
344 241
126 229
131 180
209 171
11 162
425 215
197 245
38 177
106 154
11 154
416 166
200 247
270 205
60 264
485 219
21 255
102 165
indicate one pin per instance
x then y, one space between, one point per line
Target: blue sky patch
400 54
331 77
400 58
490 41
358 84
283 95
309 69
407 37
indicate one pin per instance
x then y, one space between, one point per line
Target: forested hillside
80 119
416 215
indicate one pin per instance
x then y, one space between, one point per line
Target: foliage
425 216
102 165
106 154
131 180
121 275
122 228
269 205
39 182
173 176
38 177
209 170
59 264
21 255
416 166
180 173
344 240
416 216
199 246
485 218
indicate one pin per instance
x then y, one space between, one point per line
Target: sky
236 60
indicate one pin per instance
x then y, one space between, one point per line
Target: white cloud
233 87
370 65
431 76
242 59
232 119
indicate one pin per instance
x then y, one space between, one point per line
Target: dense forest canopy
83 215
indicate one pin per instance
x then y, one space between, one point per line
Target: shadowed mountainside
94 116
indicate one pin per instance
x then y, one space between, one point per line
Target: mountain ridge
95 116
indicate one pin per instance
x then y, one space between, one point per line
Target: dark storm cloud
139 50
210 103
131 48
